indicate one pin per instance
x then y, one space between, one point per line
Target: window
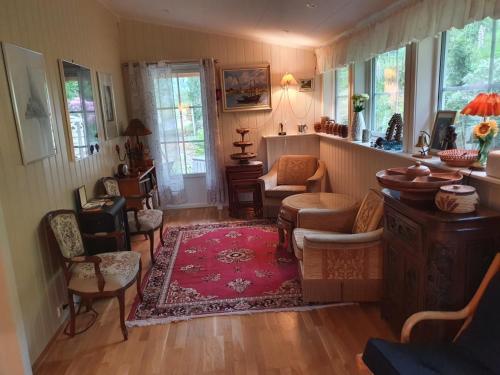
342 95
388 88
467 68
179 97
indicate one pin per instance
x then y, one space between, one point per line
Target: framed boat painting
246 88
30 97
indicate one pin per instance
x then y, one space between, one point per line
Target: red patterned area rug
218 269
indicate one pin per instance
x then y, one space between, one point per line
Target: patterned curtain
213 143
151 100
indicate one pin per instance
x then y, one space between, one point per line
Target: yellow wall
148 42
82 30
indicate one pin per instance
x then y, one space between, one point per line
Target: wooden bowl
458 157
416 187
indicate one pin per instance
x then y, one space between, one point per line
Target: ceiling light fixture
311 5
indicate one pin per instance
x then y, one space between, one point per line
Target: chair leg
139 278
121 302
151 236
161 232
72 314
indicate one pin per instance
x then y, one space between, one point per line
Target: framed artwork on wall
439 135
306 84
246 88
31 103
107 95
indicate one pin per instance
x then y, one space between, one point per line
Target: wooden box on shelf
138 183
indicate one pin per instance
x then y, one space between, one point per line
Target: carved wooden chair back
64 237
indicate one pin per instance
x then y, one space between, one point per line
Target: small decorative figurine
450 139
281 132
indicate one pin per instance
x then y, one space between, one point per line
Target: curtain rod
135 63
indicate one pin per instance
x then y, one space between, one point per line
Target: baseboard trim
189 205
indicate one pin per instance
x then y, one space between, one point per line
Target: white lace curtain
149 87
213 143
416 21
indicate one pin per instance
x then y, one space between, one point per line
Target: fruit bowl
417 183
458 157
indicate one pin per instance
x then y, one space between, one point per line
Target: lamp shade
288 79
136 128
483 105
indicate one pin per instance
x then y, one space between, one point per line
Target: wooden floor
321 341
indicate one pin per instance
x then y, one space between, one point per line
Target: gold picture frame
246 87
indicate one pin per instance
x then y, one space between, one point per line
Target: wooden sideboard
433 261
138 184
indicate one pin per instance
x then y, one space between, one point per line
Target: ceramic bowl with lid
457 199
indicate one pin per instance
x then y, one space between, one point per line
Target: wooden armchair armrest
314 183
326 219
96 261
431 315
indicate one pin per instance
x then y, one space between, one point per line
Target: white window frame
176 70
348 96
371 121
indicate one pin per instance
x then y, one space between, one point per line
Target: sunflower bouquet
485 132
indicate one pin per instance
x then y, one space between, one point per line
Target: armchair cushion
283 191
387 358
480 339
118 269
67 234
296 169
148 220
370 213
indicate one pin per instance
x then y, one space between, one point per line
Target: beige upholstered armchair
144 221
291 174
107 274
341 258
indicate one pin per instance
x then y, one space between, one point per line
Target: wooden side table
287 218
112 218
243 178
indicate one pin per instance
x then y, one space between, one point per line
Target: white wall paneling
72 29
305 144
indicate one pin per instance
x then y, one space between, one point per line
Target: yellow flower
483 129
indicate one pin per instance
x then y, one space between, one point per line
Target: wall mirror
81 117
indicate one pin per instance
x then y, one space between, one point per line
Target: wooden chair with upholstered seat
107 274
291 174
145 221
340 255
474 350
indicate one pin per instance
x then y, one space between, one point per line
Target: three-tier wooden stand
243 157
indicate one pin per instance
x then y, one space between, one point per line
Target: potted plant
358 122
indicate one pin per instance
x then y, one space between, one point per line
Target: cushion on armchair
370 213
296 169
387 358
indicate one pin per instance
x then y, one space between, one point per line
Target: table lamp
484 105
135 153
